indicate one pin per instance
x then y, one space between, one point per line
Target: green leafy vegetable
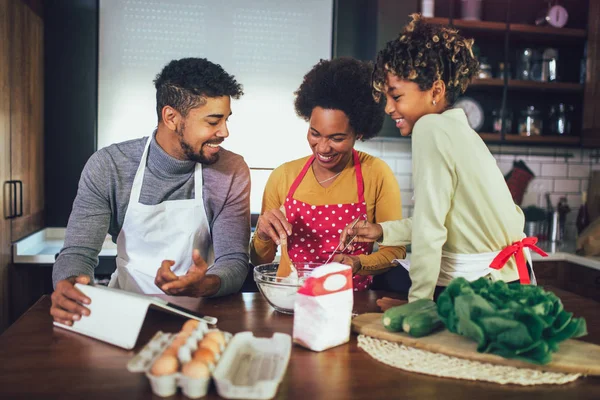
514 321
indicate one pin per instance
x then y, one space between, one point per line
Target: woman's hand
273 225
364 231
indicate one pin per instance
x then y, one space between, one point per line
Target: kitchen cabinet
21 131
28 283
581 280
591 110
5 231
26 117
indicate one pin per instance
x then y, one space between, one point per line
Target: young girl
465 222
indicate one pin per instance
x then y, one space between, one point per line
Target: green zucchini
393 317
422 323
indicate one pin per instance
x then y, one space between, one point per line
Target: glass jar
559 122
497 121
530 123
485 69
525 61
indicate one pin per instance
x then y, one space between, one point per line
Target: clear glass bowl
281 292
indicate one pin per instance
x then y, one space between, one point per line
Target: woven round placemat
426 362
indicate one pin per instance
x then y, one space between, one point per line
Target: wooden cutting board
574 356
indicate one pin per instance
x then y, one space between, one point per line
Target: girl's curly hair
425 53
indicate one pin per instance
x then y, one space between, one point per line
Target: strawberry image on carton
323 308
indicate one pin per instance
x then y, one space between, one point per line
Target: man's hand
352 261
67 300
164 274
364 231
273 225
195 283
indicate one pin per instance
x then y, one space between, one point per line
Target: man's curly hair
342 84
185 84
425 53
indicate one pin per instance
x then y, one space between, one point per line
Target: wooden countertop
41 361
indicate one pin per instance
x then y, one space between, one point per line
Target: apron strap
516 250
138 180
198 198
359 177
300 176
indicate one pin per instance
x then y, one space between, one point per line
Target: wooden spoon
286 267
285 264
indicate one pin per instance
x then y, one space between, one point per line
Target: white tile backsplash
404 181
566 185
505 167
530 199
400 148
541 185
554 170
508 157
404 166
407 197
371 147
579 171
536 168
391 162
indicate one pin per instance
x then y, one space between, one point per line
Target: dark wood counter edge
40 300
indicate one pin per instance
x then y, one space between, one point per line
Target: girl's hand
364 231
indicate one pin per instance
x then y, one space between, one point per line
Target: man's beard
189 152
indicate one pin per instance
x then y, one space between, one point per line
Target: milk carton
323 308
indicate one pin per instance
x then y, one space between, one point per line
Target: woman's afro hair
342 84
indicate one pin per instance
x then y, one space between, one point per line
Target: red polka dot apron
316 229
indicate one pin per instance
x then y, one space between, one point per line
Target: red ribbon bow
516 249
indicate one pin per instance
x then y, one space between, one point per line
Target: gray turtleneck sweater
103 196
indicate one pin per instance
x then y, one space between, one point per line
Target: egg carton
251 367
167 385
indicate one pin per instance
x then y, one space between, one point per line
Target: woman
465 222
336 185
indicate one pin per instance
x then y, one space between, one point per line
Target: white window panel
267 44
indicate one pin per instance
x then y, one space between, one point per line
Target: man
176 197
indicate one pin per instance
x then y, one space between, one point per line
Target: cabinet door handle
12 199
20 185
7 209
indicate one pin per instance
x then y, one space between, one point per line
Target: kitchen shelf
517 139
473 25
529 85
491 26
548 30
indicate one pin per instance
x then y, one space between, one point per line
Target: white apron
472 266
153 233
468 266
